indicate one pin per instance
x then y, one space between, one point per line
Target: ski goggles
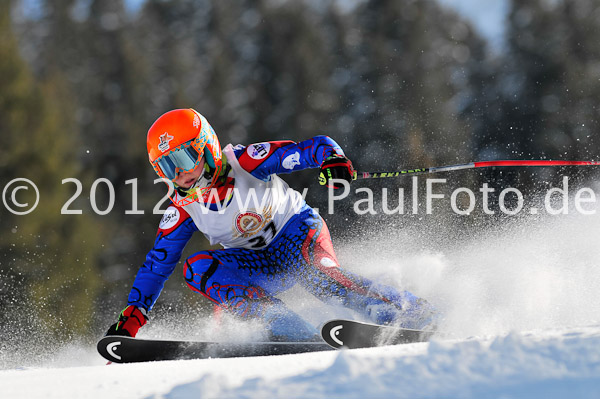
183 159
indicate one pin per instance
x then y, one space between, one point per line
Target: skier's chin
201 183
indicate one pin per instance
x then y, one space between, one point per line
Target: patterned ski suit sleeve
276 157
175 230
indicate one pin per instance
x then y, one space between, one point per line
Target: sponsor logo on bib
249 223
169 219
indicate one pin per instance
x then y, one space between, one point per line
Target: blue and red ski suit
246 280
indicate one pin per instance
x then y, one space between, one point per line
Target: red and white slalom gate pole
472 165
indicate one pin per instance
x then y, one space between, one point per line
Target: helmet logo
164 142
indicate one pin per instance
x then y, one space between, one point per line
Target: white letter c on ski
335 331
110 348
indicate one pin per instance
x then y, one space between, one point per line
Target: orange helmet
178 140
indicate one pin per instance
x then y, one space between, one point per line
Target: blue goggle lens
182 160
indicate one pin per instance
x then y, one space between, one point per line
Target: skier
271 238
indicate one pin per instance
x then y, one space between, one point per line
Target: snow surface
549 364
522 320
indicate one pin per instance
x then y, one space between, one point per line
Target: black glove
130 321
336 167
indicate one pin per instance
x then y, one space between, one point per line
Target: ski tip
355 334
331 332
109 346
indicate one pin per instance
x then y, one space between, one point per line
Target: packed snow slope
522 320
542 364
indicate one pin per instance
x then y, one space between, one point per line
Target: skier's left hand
130 321
336 167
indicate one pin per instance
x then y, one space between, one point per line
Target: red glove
130 321
336 167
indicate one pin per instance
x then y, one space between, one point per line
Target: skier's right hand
130 321
336 167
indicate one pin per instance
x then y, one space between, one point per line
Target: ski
355 334
337 334
119 349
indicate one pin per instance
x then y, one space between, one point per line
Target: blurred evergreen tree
48 273
404 71
96 48
548 88
540 100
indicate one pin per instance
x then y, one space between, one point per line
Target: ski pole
471 165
